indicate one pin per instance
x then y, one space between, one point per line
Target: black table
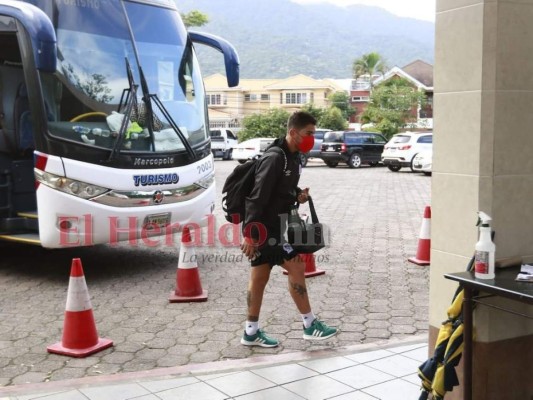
503 285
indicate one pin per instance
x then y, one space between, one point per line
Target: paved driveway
369 290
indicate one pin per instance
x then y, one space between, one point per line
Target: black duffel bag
305 238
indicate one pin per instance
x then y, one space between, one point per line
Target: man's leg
259 277
253 336
295 268
313 328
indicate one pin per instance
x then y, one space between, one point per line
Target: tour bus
104 133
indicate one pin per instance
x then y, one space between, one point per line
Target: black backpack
239 185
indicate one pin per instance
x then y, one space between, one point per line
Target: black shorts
274 252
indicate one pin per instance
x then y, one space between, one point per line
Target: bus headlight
70 186
206 181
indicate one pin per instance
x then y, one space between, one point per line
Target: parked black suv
353 148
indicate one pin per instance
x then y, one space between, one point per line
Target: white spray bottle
485 249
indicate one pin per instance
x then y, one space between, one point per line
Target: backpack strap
279 150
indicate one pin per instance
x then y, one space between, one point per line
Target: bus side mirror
231 58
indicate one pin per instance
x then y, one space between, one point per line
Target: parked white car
402 148
250 149
422 162
222 143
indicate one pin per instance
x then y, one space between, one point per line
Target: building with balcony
228 106
419 73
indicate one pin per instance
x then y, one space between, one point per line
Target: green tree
369 64
333 119
328 118
273 123
194 18
315 111
391 105
341 100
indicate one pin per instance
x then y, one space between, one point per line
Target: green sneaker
319 331
259 339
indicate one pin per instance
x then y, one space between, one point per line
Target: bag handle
314 217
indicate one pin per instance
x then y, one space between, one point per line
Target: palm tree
369 64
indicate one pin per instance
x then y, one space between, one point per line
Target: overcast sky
419 9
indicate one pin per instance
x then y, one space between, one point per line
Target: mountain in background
279 38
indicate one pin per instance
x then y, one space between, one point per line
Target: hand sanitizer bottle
485 249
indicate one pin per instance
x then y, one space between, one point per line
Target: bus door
21 111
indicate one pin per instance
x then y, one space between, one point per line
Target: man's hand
303 196
249 248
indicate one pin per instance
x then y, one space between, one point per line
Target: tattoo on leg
300 289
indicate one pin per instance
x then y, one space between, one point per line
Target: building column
483 161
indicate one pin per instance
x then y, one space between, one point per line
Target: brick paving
369 290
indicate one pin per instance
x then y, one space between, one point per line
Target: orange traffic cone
188 285
310 266
424 240
80 338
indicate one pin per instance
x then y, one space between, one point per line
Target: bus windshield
85 98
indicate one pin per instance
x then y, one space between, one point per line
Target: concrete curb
225 366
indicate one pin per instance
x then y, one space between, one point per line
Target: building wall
359 106
482 161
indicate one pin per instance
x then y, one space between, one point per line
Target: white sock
308 319
251 327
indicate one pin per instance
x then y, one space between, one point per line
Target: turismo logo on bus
155 179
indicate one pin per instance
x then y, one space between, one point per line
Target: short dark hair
300 119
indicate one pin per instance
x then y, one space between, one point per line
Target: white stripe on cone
78 295
187 258
425 230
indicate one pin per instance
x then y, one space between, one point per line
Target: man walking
274 192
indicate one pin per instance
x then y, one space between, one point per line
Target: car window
231 135
400 139
378 139
319 135
354 138
214 133
368 138
335 137
425 139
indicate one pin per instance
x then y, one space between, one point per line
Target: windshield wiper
147 97
147 103
131 101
